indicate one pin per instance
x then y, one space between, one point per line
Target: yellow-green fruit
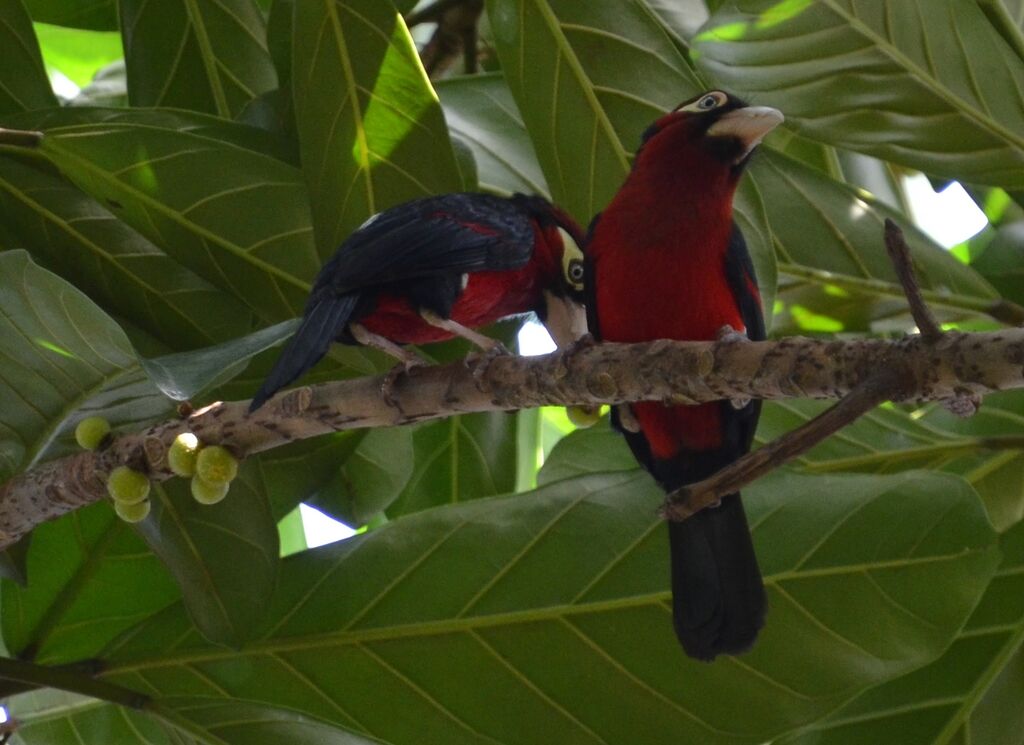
583 416
127 486
215 465
90 432
206 493
182 454
132 513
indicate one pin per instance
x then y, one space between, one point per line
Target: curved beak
749 125
565 319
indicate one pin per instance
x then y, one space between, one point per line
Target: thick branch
678 372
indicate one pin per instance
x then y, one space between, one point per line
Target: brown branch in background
456 34
887 382
20 138
902 262
688 500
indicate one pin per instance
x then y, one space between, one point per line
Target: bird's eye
572 261
707 102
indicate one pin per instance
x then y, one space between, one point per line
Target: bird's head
715 127
559 238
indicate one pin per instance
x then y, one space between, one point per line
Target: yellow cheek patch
572 261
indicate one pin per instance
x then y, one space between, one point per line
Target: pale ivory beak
566 320
749 125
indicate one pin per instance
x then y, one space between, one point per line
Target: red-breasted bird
435 268
665 260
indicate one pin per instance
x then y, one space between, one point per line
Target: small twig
899 254
20 138
684 502
69 680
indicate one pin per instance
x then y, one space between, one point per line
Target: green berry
583 416
206 493
132 513
215 465
91 431
127 486
182 454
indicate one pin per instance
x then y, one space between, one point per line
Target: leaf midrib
314 641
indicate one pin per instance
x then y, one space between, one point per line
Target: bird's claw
480 361
627 419
387 386
728 335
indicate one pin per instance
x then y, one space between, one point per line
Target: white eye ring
707 102
576 272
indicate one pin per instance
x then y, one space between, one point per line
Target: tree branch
692 372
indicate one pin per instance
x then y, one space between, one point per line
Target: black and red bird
666 260
435 268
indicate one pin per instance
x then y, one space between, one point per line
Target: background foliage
160 240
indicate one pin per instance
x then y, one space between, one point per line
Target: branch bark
941 369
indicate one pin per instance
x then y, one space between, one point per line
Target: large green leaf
185 191
23 81
89 579
481 111
828 235
370 125
206 56
555 603
927 83
81 240
1008 18
971 694
77 54
224 557
56 717
98 15
460 459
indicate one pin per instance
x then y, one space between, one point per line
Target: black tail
321 325
718 600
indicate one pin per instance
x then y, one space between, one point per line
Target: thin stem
899 254
686 501
69 680
20 137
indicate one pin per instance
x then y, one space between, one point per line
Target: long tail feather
320 326
718 599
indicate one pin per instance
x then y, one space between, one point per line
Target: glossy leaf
370 127
448 611
183 190
926 83
208 56
23 82
481 111
458 460
224 557
969 695
84 242
78 54
97 15
90 578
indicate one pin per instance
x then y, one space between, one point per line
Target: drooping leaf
23 82
224 557
927 83
448 611
370 127
481 111
203 56
89 579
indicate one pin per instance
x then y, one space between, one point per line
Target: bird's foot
728 335
627 419
480 361
387 386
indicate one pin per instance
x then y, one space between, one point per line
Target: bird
666 260
436 268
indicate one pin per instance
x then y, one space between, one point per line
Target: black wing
450 234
